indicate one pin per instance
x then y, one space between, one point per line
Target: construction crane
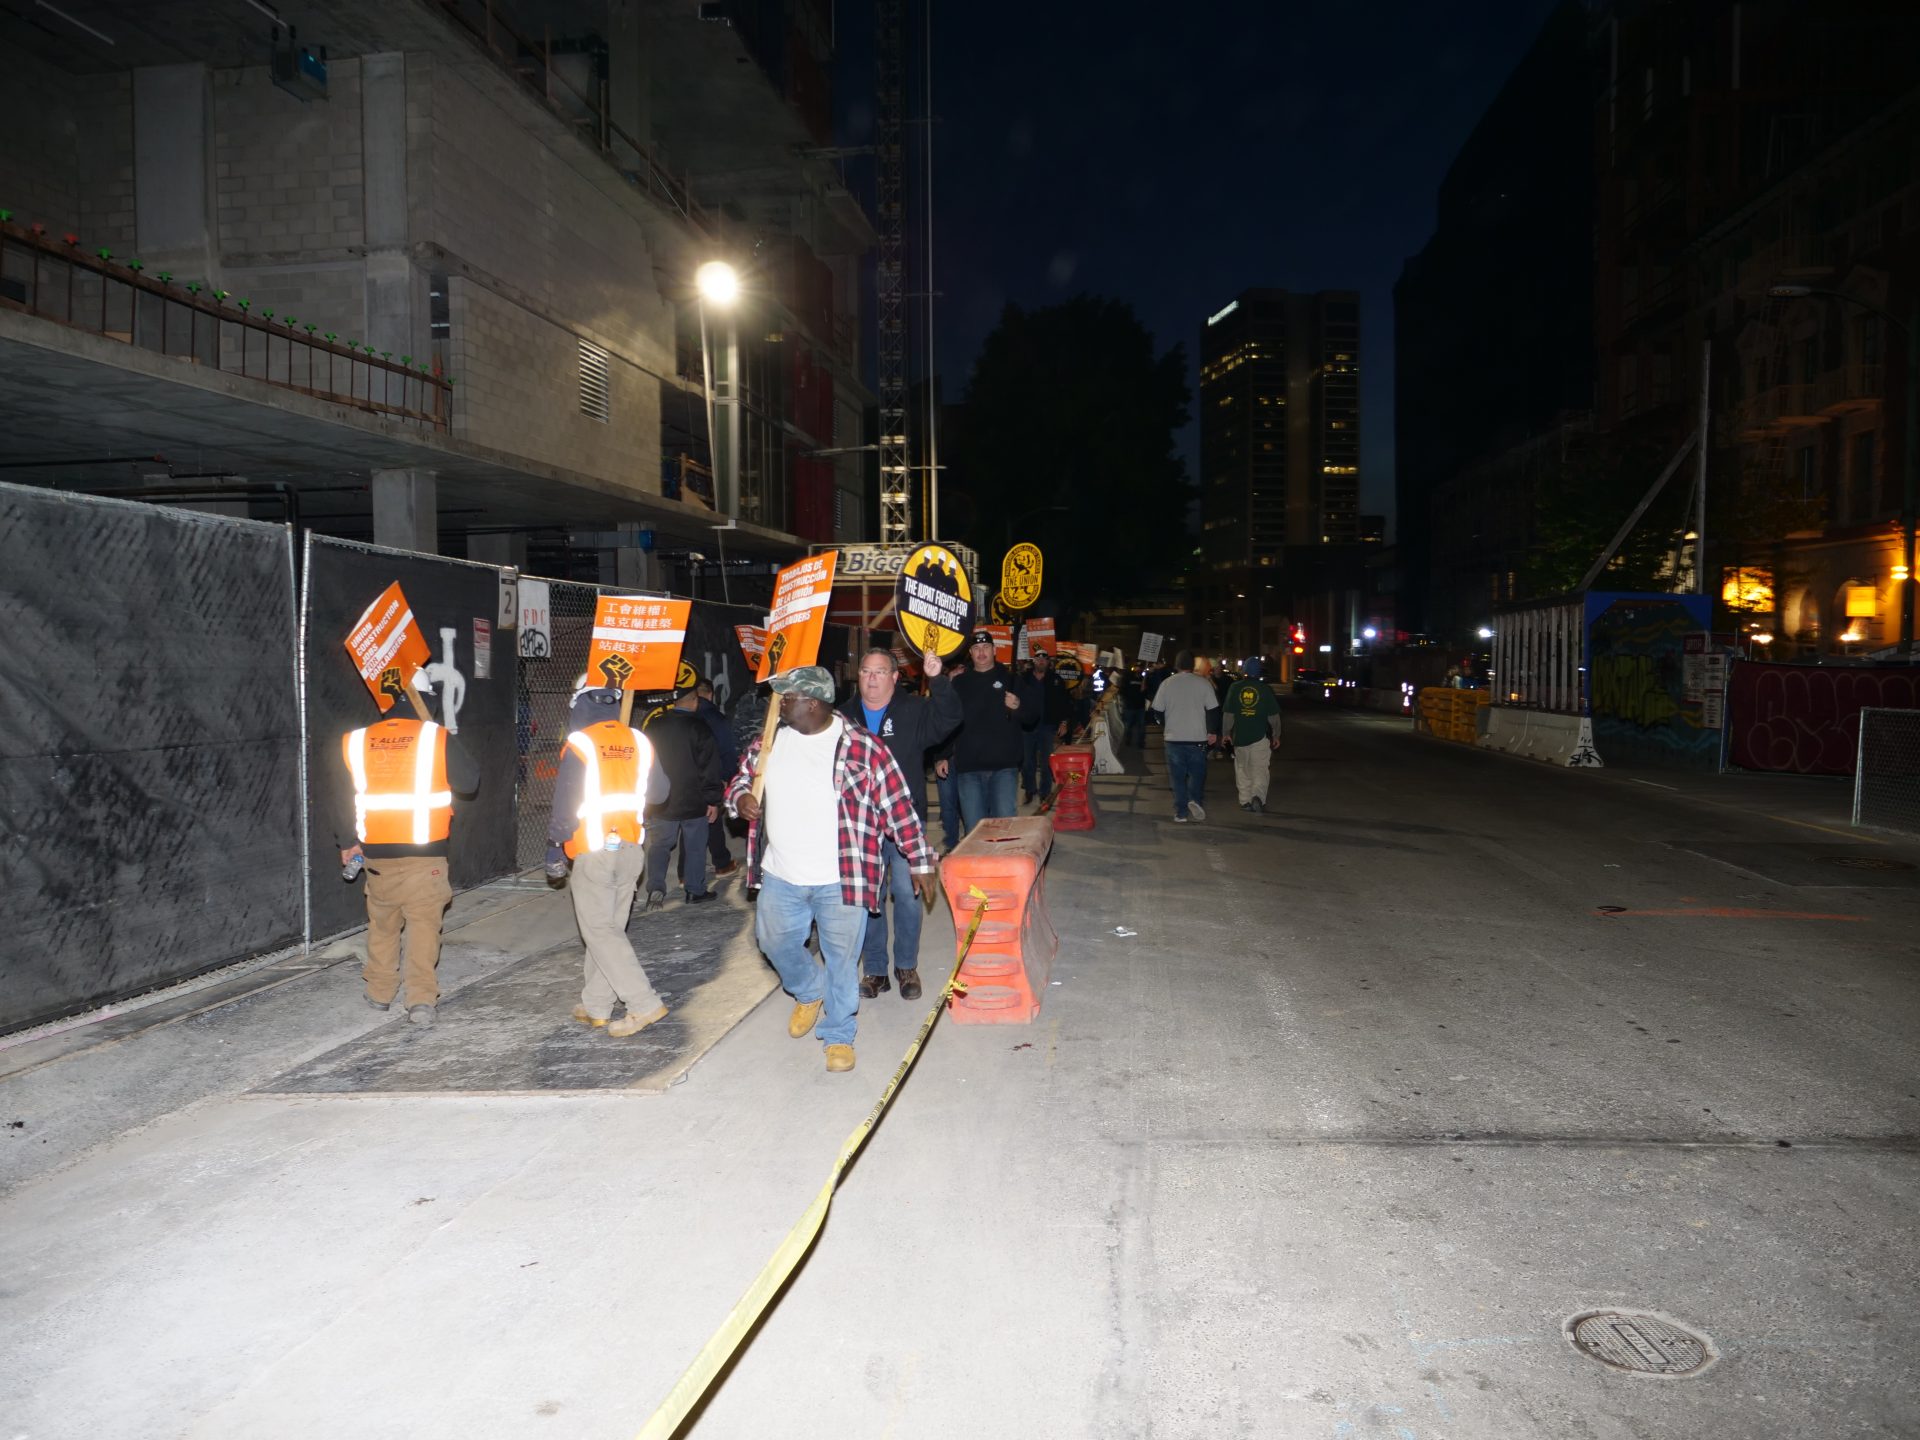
890 274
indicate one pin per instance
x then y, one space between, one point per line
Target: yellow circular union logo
1020 576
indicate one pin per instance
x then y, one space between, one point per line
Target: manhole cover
1639 1342
1866 862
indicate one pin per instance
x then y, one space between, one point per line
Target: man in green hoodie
1253 717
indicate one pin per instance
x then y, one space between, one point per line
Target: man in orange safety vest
607 779
403 771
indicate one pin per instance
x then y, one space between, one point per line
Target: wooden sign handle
420 711
626 707
766 745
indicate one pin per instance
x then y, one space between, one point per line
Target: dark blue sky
1172 155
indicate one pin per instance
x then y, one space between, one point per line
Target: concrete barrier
1564 740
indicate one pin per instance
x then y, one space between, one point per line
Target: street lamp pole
1910 464
719 283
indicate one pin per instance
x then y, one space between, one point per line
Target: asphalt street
1385 1089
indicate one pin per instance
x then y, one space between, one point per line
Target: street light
718 283
1910 487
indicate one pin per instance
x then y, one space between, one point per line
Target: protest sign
387 648
801 593
1040 635
636 642
753 643
933 601
1002 642
1020 576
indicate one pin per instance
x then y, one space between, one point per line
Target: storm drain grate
1641 1343
1866 862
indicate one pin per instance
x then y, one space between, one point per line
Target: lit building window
1748 587
1863 602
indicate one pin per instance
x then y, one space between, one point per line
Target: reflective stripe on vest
603 810
422 799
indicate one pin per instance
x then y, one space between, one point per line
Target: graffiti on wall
1805 719
1637 680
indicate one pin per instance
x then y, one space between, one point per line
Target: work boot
701 898
656 900
805 1012
381 1005
580 1014
872 985
909 984
839 1057
726 869
632 1024
421 1015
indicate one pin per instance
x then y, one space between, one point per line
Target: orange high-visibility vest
616 761
400 790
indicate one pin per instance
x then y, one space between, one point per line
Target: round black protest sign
934 600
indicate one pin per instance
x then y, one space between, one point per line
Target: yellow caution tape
694 1381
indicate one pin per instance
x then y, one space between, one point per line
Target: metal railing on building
1539 657
56 280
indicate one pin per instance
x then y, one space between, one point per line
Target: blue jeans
692 835
907 916
781 920
1187 768
1037 745
948 787
988 795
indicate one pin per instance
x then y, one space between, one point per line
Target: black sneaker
872 985
701 898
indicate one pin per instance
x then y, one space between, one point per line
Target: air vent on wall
595 395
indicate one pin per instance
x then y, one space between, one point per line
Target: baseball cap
812 681
981 637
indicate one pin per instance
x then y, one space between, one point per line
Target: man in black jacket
1046 709
683 747
986 756
909 726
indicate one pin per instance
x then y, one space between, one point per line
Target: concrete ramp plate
510 1033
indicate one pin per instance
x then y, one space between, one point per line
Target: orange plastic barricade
1072 805
1006 971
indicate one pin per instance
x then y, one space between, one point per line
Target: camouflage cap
812 681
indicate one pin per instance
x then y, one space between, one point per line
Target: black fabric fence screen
459 608
149 749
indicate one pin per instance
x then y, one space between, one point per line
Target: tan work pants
1252 766
602 887
411 892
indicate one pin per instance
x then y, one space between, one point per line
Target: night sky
1177 158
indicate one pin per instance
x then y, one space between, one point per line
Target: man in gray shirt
1190 720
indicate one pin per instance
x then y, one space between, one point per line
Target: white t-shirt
801 807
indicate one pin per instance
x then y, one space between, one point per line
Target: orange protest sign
799 614
636 642
1089 655
387 647
1040 635
1002 642
753 643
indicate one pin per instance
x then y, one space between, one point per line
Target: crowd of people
834 810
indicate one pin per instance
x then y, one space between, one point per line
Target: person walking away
402 775
908 725
729 752
1045 710
608 776
816 836
1253 713
1133 710
1190 717
986 753
683 747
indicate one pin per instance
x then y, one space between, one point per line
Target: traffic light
1299 639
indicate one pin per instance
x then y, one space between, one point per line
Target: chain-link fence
1886 779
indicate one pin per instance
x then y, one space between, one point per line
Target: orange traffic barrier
1072 805
1005 973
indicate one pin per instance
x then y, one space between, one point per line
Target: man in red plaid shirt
833 793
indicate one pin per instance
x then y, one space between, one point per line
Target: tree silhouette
1067 439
